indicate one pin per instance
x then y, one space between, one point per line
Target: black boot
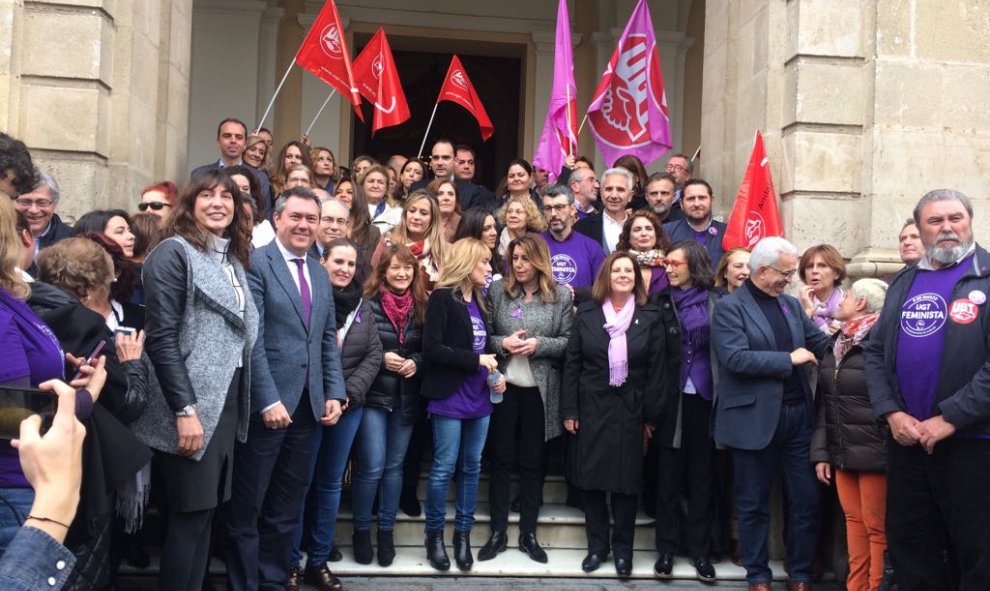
436 552
462 550
409 503
386 548
363 552
496 543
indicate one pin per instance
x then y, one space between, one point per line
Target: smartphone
91 359
17 404
124 330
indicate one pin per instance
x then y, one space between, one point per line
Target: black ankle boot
436 552
363 553
462 550
497 542
386 548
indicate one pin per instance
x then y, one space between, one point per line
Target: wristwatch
186 411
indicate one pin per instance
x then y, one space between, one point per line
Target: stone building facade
864 104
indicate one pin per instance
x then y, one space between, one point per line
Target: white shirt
611 230
294 270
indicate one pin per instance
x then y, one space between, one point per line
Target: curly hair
76 266
534 219
663 242
15 157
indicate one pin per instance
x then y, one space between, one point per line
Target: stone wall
865 106
98 89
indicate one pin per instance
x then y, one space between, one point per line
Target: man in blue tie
296 385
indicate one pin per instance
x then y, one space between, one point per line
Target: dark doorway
497 82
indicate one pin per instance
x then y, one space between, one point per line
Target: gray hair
48 181
559 189
690 165
768 251
618 170
301 192
579 175
334 201
873 290
942 195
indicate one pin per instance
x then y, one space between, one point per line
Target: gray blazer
286 347
551 325
193 316
751 372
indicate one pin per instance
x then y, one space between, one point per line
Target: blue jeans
789 449
333 446
453 439
381 444
15 504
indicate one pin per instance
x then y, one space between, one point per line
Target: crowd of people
253 330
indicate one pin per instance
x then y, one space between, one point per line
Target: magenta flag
628 113
559 137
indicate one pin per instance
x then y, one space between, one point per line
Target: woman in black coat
614 385
397 296
848 438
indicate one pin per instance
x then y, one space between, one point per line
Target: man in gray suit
765 345
297 384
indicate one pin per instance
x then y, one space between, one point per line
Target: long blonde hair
434 234
463 257
10 252
535 249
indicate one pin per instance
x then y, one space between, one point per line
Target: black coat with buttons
667 427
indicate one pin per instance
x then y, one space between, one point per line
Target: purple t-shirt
921 338
471 400
574 261
31 355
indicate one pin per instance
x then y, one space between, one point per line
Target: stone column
97 90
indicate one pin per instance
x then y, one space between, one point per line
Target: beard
948 255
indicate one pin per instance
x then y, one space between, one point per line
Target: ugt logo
458 78
624 115
330 41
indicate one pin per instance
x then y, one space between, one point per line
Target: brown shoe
323 578
760 587
295 578
796 586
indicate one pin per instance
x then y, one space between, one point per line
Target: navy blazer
751 372
682 230
286 347
593 227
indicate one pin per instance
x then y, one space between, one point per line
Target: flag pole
428 126
582 123
318 113
696 152
277 90
567 94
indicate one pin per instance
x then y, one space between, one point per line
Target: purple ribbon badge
713 230
517 313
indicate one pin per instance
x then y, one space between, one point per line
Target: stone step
554 488
559 526
563 563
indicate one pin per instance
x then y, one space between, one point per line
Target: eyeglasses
675 168
559 208
673 263
788 275
39 203
155 205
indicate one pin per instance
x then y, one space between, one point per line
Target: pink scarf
616 325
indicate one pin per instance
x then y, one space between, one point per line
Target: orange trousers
863 496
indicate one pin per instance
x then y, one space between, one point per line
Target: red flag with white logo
324 53
457 88
628 113
378 81
755 215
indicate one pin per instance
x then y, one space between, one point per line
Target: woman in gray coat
531 318
201 324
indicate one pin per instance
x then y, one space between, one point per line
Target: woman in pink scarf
614 387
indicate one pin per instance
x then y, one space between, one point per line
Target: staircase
560 532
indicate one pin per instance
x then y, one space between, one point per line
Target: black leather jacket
390 390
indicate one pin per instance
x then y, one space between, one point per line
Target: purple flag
559 137
628 113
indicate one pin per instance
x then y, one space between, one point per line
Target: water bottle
493 378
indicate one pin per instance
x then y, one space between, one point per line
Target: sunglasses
673 264
155 205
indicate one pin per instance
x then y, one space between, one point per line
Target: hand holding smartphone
17 404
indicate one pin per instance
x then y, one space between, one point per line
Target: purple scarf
692 315
616 325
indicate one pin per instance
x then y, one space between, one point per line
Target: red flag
324 53
457 88
378 81
755 215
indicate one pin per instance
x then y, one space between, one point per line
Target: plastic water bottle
493 378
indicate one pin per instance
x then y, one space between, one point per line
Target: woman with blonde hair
732 271
519 215
324 167
384 209
456 382
256 154
420 228
531 324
